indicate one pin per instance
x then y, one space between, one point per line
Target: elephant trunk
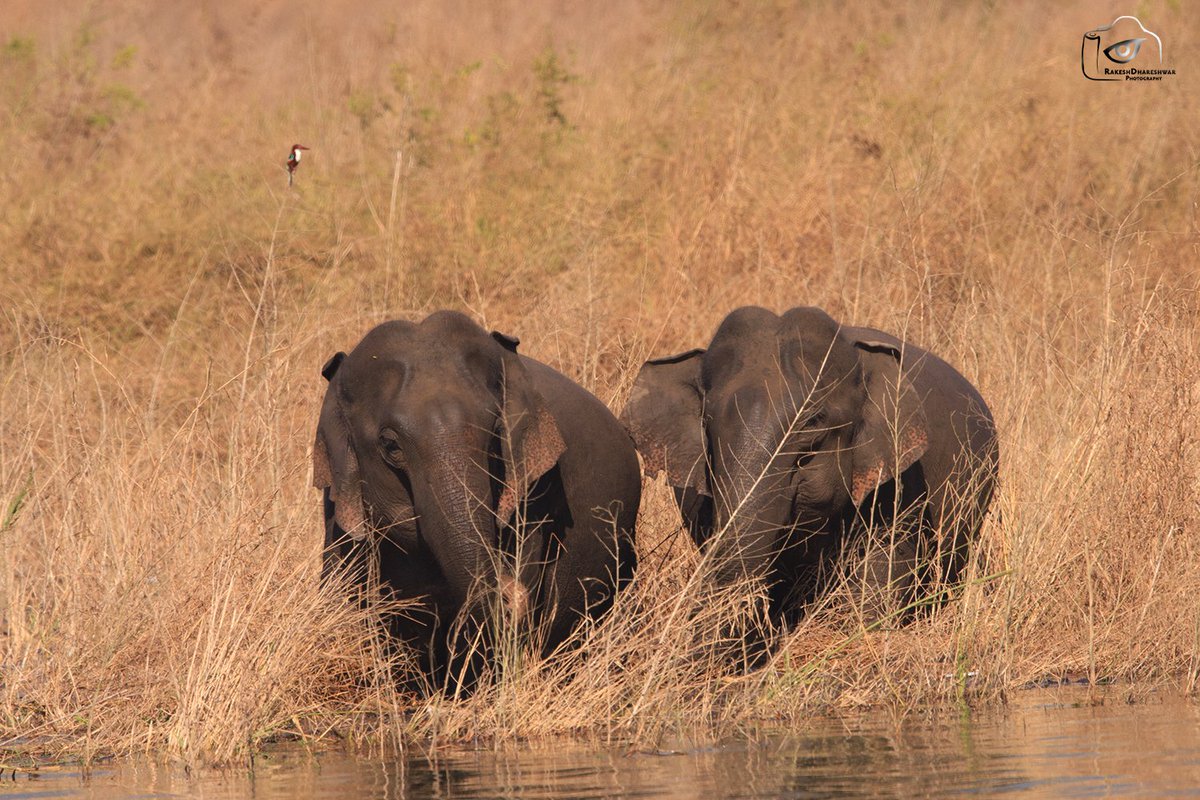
454 508
747 535
752 509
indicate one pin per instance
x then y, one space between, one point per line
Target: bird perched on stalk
293 160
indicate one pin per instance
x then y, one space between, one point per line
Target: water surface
1049 743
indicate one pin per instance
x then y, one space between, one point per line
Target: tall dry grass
606 183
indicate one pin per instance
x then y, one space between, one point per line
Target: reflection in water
1049 746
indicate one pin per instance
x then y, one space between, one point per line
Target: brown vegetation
605 181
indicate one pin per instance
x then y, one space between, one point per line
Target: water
1045 745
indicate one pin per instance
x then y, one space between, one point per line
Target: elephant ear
530 440
893 431
335 464
663 416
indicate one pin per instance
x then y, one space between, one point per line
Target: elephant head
785 423
433 432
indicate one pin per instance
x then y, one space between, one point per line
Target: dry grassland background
605 181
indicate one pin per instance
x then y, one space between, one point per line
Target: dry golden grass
607 183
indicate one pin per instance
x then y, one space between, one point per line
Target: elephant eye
389 446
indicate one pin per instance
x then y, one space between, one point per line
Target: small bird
293 160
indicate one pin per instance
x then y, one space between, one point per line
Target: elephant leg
697 512
468 649
957 511
886 581
892 557
525 544
519 579
587 566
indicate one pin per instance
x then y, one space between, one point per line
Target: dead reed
607 193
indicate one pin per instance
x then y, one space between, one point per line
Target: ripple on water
1048 744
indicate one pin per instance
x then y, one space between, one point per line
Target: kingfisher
293 160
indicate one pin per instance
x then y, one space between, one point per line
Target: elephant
791 436
465 478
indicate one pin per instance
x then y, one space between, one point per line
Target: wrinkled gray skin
791 433
433 439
